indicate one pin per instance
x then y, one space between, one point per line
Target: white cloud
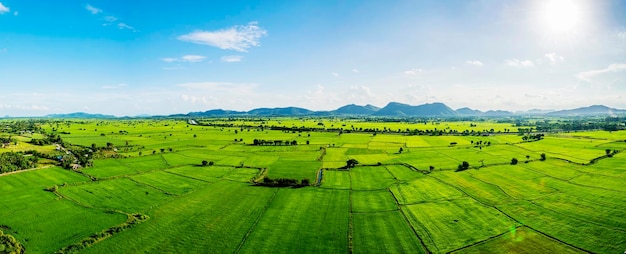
4 9
185 58
2 50
125 26
554 58
110 19
334 74
355 70
519 63
232 59
192 58
16 13
412 72
590 75
475 63
621 35
92 9
238 38
169 59
120 85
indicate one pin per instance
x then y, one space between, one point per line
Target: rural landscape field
308 126
171 186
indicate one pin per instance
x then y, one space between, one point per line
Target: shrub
513 161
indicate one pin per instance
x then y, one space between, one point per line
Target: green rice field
405 194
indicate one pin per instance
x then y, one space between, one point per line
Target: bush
514 161
543 157
463 166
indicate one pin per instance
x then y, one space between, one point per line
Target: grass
386 232
521 240
373 201
303 220
370 208
119 194
203 221
424 189
454 224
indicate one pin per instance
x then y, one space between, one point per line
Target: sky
159 57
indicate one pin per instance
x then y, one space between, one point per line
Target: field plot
371 178
25 190
51 226
423 190
336 179
207 174
213 219
169 183
294 169
482 191
402 173
521 240
302 220
590 237
577 150
118 194
373 201
385 232
455 224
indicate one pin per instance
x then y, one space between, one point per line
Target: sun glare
562 15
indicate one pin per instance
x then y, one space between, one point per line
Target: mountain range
393 109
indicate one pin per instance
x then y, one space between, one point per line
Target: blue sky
165 57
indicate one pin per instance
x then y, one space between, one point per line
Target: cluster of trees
14 161
585 124
207 163
8 244
284 182
350 164
262 142
533 137
463 166
49 139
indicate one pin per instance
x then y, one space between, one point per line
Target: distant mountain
289 111
81 115
393 109
353 109
497 113
469 112
404 110
534 112
216 112
588 111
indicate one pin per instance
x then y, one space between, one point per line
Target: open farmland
217 189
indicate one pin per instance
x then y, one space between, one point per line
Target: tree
608 151
400 151
543 157
351 163
305 182
211 163
204 162
513 161
463 166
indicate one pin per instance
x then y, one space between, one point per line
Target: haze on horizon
167 57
